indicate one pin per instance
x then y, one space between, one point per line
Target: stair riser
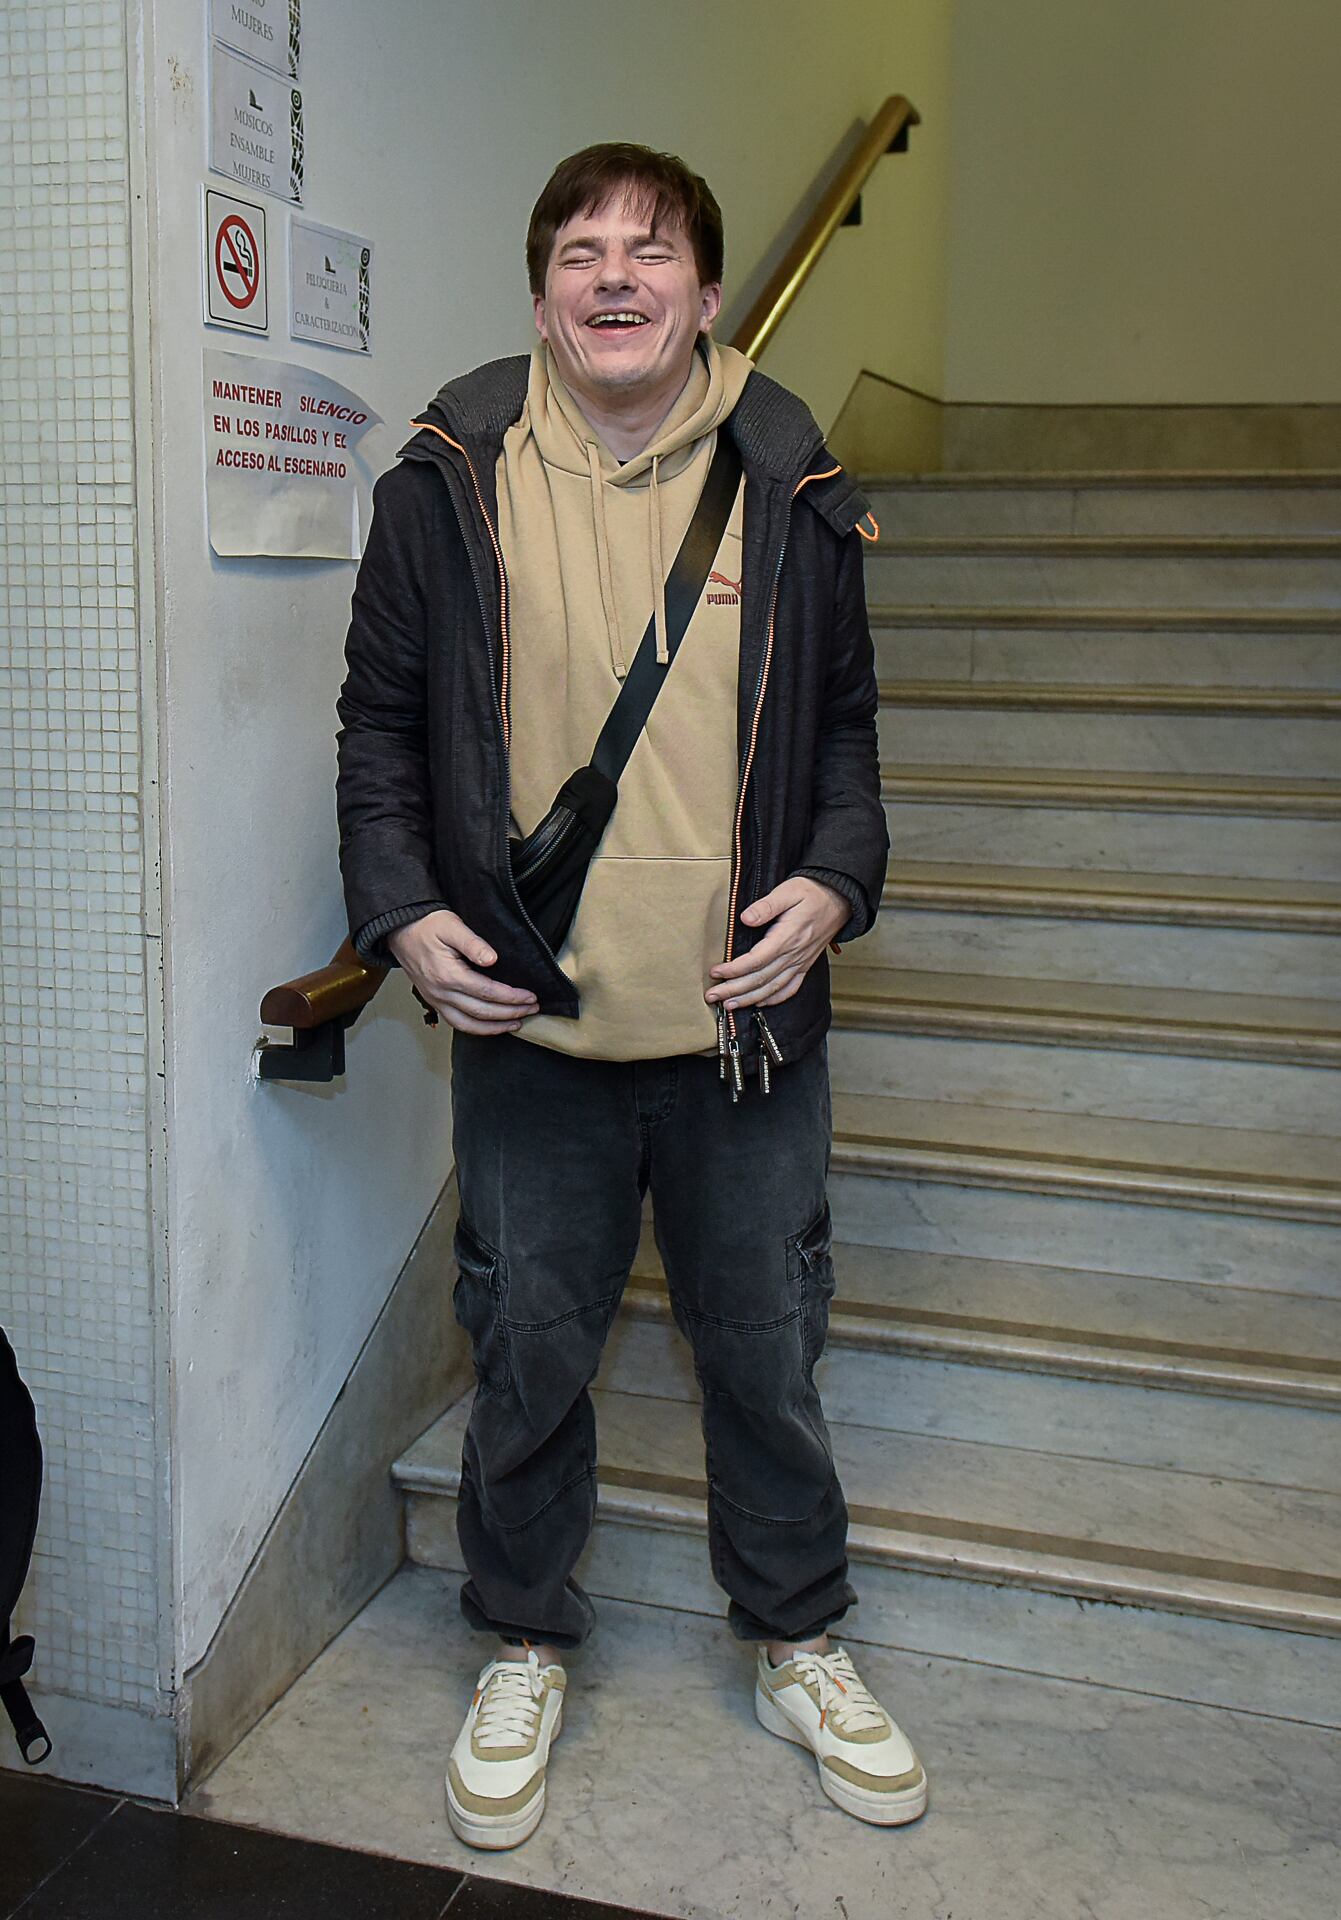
1111 742
1213 512
1104 1236
1252 1668
1106 839
1102 580
1094 1080
1105 658
1135 953
1047 1413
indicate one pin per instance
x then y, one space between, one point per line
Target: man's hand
806 916
437 952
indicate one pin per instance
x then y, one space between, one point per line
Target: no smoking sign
235 276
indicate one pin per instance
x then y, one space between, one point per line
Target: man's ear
710 297
539 300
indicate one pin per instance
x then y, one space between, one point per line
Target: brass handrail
887 133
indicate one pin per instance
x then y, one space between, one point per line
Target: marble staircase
1084 1365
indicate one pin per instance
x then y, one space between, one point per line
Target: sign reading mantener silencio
256 127
282 473
330 286
269 30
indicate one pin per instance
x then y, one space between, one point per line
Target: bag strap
684 585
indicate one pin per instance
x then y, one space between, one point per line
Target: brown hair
659 183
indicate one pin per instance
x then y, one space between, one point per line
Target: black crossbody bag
550 864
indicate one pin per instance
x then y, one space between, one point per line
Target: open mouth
617 321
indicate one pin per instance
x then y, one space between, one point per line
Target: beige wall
876 301
1145 201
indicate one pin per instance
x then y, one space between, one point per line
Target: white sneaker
866 1765
496 1773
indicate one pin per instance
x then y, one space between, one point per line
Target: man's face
622 306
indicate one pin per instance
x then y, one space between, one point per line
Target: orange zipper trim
428 427
749 752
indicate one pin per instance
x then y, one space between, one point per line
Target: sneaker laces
509 1700
844 1696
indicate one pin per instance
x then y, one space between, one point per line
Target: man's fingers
769 905
766 987
785 993
452 975
775 945
760 979
476 1007
463 1023
447 929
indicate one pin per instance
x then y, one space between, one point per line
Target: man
516 556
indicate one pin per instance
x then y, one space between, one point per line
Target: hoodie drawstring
658 570
617 660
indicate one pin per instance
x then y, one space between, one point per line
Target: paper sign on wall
269 30
282 470
330 286
256 126
235 271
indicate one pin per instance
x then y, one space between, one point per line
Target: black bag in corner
20 1491
550 865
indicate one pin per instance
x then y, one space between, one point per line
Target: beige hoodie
587 544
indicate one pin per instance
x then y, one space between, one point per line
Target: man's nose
616 271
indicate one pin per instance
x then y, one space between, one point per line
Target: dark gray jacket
422 791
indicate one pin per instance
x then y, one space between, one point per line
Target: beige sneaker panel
484 1803
872 1782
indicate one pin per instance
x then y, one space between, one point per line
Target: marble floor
1050 1800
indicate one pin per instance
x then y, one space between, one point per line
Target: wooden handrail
887 133
342 987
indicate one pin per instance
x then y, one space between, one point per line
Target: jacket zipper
501 687
728 1039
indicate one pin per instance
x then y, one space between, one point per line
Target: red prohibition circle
250 280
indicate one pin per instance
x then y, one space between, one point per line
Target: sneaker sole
495 1832
878 1809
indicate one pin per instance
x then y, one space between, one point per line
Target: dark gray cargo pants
554 1156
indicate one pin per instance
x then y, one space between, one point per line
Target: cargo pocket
477 1301
814 1255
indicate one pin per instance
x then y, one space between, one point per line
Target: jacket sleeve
849 838
383 792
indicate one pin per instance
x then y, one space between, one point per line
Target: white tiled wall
74 1235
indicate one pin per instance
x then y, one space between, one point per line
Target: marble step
1182 900
1019 934
1119 1235
1253 795
1132 503
1166 1164
1196 1337
1149 1416
1148 1536
1069 1013
1093 840
1069 1049
1098 645
1092 1078
1107 570
1070 696
984 727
